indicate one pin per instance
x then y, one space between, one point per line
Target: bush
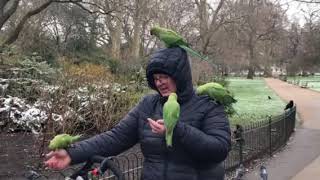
85 72
88 107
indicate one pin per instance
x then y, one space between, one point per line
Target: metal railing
261 138
248 143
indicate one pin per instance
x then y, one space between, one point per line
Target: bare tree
7 10
260 22
114 26
209 22
9 7
14 34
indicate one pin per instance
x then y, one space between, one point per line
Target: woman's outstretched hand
58 160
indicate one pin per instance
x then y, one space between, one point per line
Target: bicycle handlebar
105 163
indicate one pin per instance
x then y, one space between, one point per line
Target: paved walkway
301 158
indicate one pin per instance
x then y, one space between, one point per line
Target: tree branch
14 35
311 1
6 15
100 11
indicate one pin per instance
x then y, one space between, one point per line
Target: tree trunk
4 15
203 18
251 57
252 66
135 46
207 29
250 72
15 34
116 40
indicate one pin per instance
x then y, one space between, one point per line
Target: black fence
260 138
248 143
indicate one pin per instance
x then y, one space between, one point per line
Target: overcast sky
295 11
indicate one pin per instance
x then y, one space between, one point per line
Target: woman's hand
157 126
58 159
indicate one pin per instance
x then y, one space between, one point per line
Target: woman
201 139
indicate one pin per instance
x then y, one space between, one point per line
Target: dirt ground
18 154
20 158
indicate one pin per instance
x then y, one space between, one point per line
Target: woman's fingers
57 153
160 121
157 126
50 154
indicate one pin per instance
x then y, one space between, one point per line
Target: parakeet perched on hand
171 112
173 39
62 141
217 92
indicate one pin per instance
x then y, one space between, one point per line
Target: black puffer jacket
201 138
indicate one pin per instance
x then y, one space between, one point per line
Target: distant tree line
237 35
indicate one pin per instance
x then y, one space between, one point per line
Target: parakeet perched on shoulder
62 141
173 39
218 93
171 112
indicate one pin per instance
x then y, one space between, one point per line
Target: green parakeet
173 39
62 141
171 112
217 92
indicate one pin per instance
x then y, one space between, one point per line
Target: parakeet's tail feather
194 53
169 140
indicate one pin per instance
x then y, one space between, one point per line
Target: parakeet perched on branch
171 112
218 93
62 141
173 39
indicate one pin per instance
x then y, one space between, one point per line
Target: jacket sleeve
123 136
210 143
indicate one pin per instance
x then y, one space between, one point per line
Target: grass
253 103
312 82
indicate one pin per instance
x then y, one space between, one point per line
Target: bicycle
87 172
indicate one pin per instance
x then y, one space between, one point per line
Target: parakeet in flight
218 93
62 141
171 112
173 39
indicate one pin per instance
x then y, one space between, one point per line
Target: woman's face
165 84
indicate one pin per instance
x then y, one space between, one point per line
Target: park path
300 160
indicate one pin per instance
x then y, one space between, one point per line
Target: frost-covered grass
253 103
311 82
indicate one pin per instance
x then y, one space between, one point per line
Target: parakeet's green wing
170 39
217 92
62 141
171 116
171 112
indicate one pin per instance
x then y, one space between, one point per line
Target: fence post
240 153
270 136
285 128
240 140
293 118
